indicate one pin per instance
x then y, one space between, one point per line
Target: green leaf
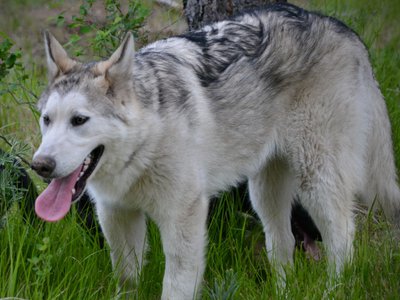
34 260
117 20
83 10
74 38
10 61
85 29
60 20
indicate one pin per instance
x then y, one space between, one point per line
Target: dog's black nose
43 165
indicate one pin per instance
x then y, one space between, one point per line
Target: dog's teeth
80 175
73 191
85 167
87 160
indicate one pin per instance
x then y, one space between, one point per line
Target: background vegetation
63 261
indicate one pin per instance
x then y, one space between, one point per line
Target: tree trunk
202 12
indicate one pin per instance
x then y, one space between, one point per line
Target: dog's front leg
183 233
125 232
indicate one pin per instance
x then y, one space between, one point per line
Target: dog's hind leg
326 190
125 232
271 194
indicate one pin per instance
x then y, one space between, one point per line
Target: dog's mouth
55 201
86 169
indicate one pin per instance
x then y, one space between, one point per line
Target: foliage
8 59
108 34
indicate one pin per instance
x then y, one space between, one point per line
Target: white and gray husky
279 96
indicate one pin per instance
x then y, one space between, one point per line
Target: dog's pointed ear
58 61
120 61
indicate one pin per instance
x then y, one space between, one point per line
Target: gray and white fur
279 96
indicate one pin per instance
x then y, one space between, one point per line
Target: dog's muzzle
43 165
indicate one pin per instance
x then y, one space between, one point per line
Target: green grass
62 261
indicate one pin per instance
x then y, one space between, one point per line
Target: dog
281 97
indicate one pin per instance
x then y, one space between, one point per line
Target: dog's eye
79 120
46 120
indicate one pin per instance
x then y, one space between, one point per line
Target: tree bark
202 12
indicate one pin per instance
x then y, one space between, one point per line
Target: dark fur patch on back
197 37
171 88
222 48
239 40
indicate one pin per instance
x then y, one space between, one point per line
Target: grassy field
63 261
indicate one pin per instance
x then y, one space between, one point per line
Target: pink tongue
55 201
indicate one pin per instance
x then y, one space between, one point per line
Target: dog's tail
382 182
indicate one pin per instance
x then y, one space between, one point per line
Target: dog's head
82 110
